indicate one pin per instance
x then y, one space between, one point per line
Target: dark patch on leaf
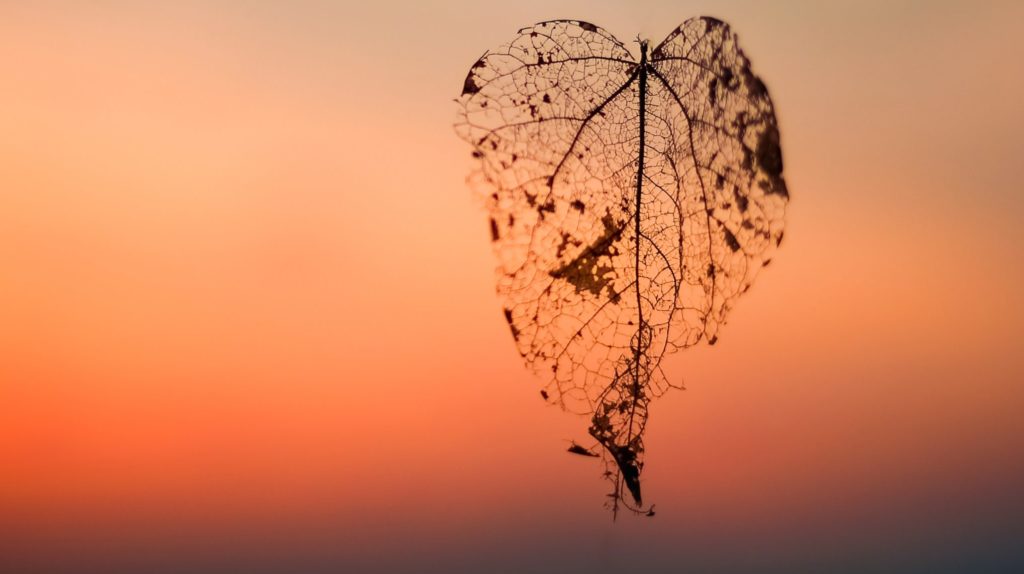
587 272
769 159
729 80
779 187
730 239
741 200
769 154
548 206
511 325
470 86
566 239
748 158
626 460
755 87
712 22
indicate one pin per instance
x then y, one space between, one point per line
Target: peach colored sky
247 313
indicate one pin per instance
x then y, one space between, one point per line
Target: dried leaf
631 202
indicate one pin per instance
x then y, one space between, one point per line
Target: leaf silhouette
631 202
581 450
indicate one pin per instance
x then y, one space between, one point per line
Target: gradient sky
248 322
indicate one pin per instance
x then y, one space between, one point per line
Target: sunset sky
248 319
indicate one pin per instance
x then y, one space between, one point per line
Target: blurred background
248 321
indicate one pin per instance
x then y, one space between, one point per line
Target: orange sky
248 318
